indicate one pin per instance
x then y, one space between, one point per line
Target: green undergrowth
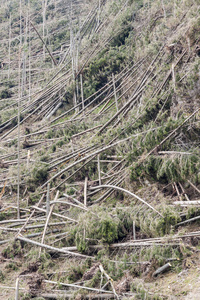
152 137
153 225
69 130
174 164
139 31
112 58
100 226
105 226
100 70
170 168
128 262
13 250
37 176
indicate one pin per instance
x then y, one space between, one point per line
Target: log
127 192
91 156
10 288
5 241
60 295
85 131
70 176
135 243
55 214
9 229
184 193
40 233
42 225
47 221
78 287
48 199
103 272
14 221
99 169
177 191
174 152
187 203
21 238
134 233
29 218
17 289
162 269
196 189
44 43
73 199
188 221
85 191
68 203
170 135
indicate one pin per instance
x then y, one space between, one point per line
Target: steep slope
99 156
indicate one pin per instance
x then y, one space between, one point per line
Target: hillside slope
100 149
